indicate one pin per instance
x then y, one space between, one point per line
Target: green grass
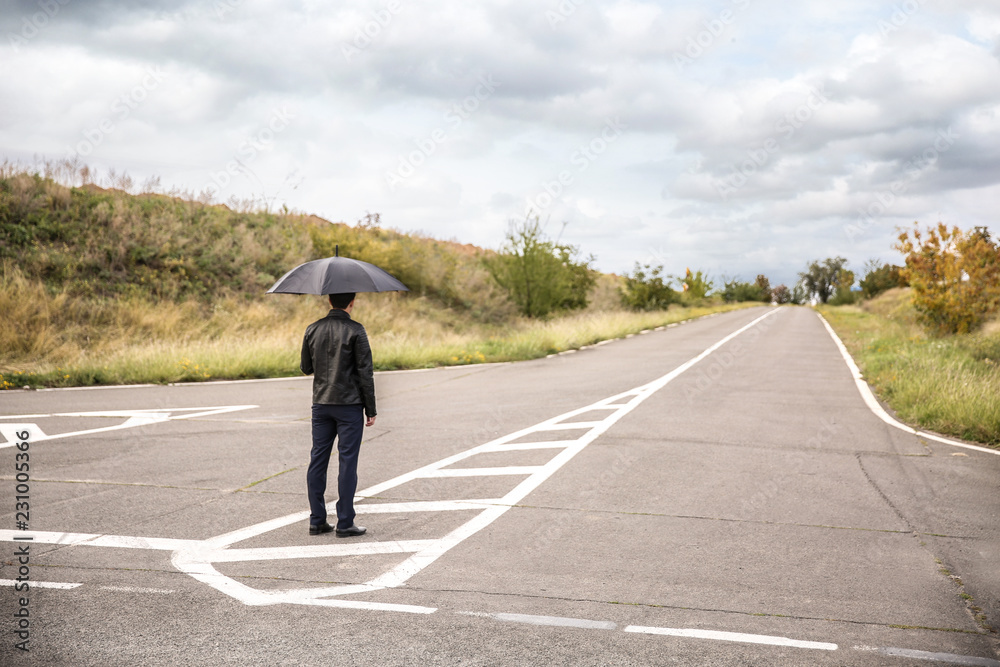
950 385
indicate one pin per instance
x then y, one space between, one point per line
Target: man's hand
370 421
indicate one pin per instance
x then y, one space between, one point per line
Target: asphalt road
688 496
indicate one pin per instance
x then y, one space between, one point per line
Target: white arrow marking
132 418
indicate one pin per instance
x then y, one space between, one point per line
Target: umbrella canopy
335 275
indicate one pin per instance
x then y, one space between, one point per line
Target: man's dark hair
342 300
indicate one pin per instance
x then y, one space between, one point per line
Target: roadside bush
695 286
735 290
954 275
781 295
539 275
646 289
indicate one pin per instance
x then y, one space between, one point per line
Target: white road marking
132 418
733 637
485 472
504 447
939 657
370 606
91 540
569 622
137 589
874 406
317 551
426 506
569 426
197 557
557 621
40 584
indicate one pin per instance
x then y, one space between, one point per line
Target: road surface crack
896 510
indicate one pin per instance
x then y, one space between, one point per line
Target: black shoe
353 531
319 530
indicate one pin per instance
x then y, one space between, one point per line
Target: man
336 351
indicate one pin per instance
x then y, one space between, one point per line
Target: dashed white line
939 657
556 621
137 589
40 584
732 637
547 621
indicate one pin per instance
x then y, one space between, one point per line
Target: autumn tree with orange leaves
955 276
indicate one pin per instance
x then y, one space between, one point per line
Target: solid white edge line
733 637
874 406
39 584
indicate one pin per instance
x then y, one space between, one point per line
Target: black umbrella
335 275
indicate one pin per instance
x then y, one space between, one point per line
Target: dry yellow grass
61 340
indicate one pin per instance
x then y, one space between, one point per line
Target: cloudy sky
733 136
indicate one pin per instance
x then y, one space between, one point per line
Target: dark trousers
329 422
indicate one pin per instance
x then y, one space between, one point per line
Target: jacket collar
339 314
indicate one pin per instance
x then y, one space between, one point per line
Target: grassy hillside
948 384
99 286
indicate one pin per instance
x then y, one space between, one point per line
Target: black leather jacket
336 351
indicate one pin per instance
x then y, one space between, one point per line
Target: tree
646 289
820 279
880 277
955 276
576 278
539 275
842 285
799 294
781 295
764 286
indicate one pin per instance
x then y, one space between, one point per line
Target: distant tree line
954 276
